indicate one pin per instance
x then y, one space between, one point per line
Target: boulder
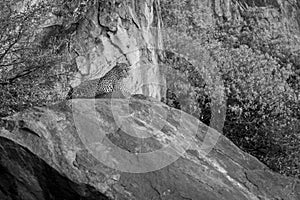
135 148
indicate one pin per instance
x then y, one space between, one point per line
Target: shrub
258 66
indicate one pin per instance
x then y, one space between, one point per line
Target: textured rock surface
43 156
115 31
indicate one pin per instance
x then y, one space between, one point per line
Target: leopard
95 88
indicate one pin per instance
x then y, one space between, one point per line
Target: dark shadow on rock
25 176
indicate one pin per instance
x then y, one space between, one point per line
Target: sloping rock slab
135 149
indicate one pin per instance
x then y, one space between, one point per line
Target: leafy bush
258 64
31 73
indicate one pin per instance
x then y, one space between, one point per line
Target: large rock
115 32
127 149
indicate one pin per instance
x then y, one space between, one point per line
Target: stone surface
55 153
115 32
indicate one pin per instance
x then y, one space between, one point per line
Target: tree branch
21 74
11 45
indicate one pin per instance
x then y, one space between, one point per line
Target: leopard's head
123 70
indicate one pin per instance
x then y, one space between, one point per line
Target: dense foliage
258 69
33 67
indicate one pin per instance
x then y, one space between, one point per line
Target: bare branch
11 45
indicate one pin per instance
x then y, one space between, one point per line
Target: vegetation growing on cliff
258 65
33 69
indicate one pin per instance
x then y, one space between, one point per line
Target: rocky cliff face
127 149
110 32
114 32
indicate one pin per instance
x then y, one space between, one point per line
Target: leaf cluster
253 66
29 72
